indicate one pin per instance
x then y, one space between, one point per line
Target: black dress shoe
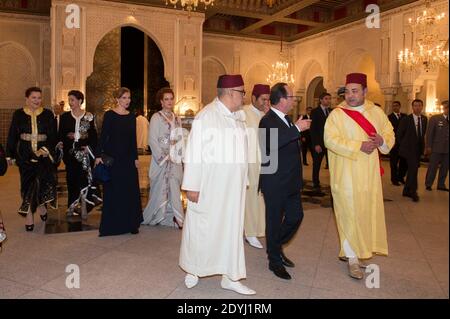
402 182
29 227
428 188
134 232
415 197
396 183
406 194
445 189
280 272
286 261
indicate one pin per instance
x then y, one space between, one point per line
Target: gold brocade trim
29 111
34 127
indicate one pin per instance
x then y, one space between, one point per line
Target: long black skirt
122 210
38 182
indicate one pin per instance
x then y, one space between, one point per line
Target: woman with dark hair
166 171
122 210
78 136
31 142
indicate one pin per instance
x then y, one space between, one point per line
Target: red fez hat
260 89
359 78
229 81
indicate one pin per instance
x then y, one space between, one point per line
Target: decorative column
389 94
188 61
411 91
237 60
301 95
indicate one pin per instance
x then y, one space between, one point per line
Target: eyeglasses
242 92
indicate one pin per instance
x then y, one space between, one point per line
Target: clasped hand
375 141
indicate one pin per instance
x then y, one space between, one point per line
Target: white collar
238 115
78 117
223 108
256 110
279 113
359 108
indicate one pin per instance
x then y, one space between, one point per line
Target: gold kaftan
355 179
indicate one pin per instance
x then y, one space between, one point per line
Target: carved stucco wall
177 36
251 58
24 62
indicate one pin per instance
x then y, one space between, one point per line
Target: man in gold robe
255 219
354 133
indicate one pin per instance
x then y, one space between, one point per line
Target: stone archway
126 57
311 70
16 66
178 36
315 88
212 67
256 74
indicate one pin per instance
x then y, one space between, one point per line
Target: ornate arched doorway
125 56
315 88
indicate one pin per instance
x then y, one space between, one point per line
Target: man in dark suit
398 163
437 146
306 137
411 137
281 176
319 116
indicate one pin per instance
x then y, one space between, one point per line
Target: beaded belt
29 137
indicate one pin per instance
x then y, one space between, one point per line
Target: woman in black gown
78 135
31 142
122 210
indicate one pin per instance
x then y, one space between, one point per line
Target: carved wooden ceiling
290 19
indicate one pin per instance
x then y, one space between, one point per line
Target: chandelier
190 5
280 70
428 51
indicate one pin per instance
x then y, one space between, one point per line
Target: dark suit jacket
317 126
287 179
411 145
395 123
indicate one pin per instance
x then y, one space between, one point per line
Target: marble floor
34 265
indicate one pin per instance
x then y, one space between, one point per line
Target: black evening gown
122 210
78 163
30 132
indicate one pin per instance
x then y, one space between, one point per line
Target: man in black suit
306 137
281 176
411 137
319 116
398 163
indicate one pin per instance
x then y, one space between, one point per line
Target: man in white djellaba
215 180
142 127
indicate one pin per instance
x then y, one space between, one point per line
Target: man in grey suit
437 145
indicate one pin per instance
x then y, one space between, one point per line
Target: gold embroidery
34 127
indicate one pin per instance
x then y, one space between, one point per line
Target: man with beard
354 132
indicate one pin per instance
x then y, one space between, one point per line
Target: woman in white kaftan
166 172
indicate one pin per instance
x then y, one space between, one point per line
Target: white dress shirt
281 115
